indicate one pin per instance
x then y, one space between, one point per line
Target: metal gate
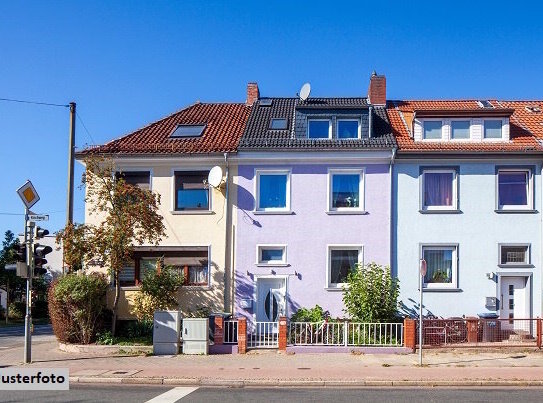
263 335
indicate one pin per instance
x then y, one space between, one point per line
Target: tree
371 294
9 281
128 215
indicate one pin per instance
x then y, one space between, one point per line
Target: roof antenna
304 91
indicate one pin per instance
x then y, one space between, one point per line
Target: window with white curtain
439 189
441 266
341 261
346 190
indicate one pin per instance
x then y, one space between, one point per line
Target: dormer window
432 129
319 129
348 129
460 129
493 129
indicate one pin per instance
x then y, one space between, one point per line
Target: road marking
173 395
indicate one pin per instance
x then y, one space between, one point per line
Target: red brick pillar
410 334
282 333
472 329
219 330
539 330
242 335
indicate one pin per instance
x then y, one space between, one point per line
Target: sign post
422 273
29 196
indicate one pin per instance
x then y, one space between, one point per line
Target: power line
85 127
49 212
33 102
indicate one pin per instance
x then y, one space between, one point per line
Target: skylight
485 104
265 101
183 131
278 124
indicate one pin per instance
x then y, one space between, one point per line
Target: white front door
270 299
513 302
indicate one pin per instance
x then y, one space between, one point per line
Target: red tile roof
526 127
225 123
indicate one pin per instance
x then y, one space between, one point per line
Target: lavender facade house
313 200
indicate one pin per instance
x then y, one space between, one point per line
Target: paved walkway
460 367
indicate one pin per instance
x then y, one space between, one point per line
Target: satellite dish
305 91
215 176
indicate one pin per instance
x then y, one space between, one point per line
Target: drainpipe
227 255
391 229
370 121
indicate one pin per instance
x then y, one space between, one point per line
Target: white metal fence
263 335
345 334
230 330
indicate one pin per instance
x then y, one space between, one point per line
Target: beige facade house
173 157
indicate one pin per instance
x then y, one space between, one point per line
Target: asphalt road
127 393
13 336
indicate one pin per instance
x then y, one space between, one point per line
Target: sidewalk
270 368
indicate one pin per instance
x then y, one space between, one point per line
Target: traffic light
20 252
39 258
40 232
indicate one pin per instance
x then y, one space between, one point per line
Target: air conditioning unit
195 336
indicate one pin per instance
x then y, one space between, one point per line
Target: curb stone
237 383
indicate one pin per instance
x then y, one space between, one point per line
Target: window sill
452 211
442 289
516 266
516 211
268 212
333 288
191 212
272 264
347 212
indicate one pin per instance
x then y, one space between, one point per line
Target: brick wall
410 333
242 335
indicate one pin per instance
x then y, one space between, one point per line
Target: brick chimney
252 93
377 92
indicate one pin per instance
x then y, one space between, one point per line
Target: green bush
76 305
158 292
316 314
17 310
371 294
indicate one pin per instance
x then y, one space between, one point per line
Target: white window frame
272 210
173 210
361 172
529 190
260 262
453 285
528 259
423 121
320 120
454 206
357 120
329 248
501 138
470 120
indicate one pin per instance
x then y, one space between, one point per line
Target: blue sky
129 63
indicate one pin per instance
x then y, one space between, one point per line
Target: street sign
28 194
38 217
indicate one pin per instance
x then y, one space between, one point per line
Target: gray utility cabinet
166 332
195 336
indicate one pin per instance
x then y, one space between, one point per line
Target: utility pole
29 235
70 197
